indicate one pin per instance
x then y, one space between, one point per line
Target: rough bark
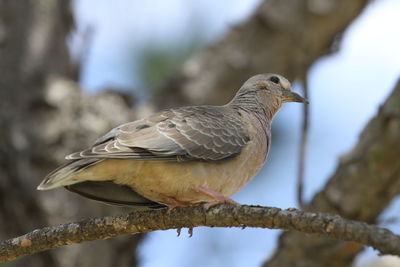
22 68
326 225
282 36
43 116
364 183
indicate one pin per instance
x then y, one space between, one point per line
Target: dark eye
274 79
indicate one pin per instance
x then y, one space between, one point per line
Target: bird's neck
261 116
249 103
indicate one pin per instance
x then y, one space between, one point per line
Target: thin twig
303 146
224 215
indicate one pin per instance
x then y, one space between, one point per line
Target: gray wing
191 133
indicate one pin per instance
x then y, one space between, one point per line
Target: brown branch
326 225
303 146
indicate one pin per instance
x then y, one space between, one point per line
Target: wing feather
191 133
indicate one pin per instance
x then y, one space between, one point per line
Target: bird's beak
289 96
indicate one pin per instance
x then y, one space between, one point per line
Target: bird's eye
274 79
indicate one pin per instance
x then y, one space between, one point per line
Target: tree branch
303 145
225 215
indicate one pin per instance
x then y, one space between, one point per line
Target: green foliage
158 62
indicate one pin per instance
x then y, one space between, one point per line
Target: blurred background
72 70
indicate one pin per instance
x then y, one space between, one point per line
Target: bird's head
271 89
265 92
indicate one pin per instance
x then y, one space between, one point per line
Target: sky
346 89
133 25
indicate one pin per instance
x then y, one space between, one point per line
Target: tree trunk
43 116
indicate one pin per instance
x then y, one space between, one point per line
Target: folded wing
195 133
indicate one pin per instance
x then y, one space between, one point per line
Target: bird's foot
172 203
218 198
211 204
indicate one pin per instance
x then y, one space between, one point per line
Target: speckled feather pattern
203 132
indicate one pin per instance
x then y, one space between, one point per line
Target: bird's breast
180 180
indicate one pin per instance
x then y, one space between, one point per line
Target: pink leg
172 203
219 198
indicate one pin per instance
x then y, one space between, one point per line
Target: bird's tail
65 175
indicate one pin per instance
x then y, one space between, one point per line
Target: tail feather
113 194
65 175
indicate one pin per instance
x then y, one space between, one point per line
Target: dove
185 156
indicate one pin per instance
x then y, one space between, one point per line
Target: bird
178 157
